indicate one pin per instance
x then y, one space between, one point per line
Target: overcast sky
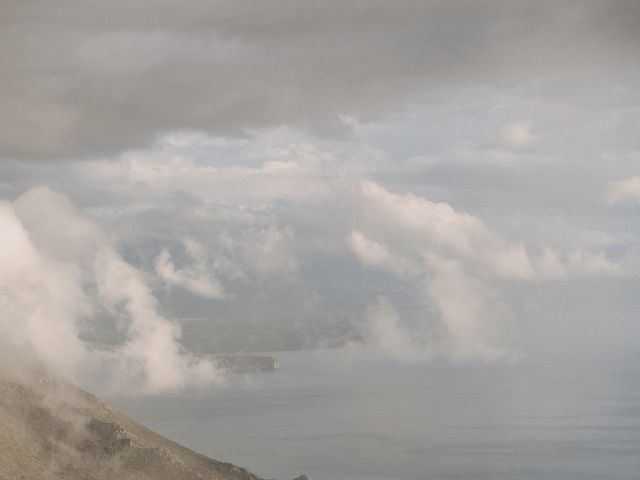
454 181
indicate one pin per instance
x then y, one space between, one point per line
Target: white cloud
277 163
624 191
386 336
435 223
41 299
476 320
374 254
56 270
461 265
587 264
421 227
370 252
56 227
576 263
195 280
151 356
454 255
254 250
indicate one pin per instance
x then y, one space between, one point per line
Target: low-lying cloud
195 278
460 265
58 271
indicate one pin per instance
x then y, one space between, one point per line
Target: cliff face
50 429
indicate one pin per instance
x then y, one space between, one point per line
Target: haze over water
340 419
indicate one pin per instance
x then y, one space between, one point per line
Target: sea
335 417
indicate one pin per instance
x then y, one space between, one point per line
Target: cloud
436 226
286 232
477 322
196 280
80 81
624 191
58 271
435 222
593 264
275 164
150 357
460 265
385 335
372 253
56 227
453 255
288 168
40 299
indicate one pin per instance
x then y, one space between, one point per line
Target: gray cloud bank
80 79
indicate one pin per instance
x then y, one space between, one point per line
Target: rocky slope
50 429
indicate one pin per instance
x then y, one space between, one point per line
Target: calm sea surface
335 419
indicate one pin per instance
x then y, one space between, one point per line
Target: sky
418 181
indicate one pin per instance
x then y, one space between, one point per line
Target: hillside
51 429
